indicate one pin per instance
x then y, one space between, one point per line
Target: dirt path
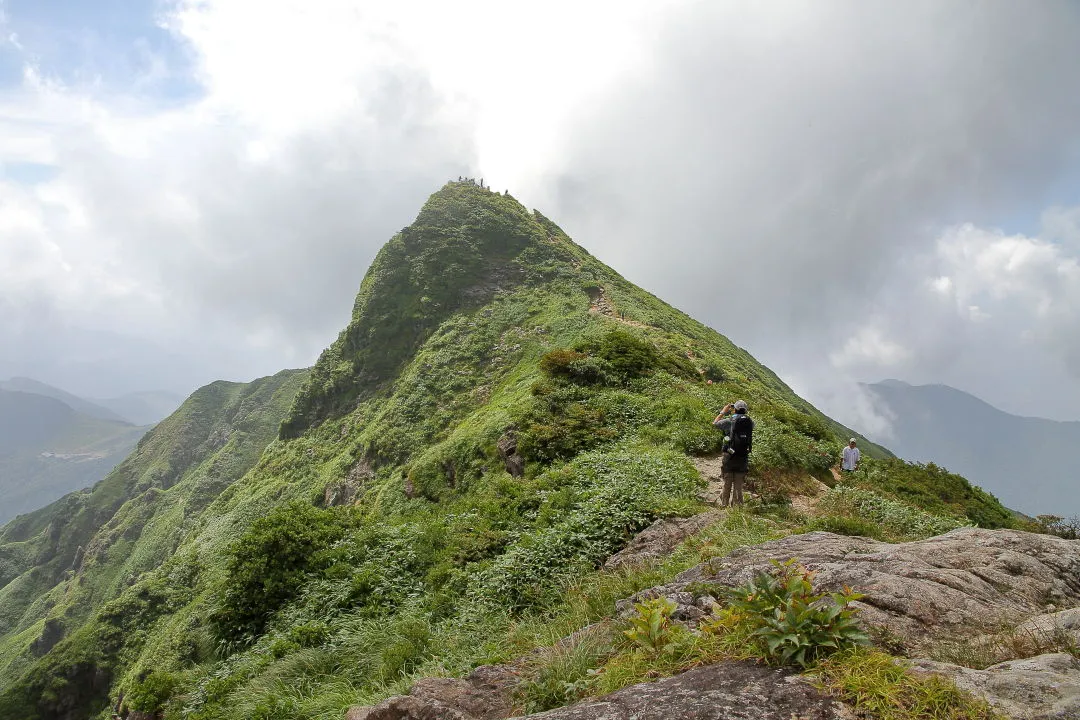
709 468
602 305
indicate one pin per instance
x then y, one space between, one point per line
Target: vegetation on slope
502 413
65 563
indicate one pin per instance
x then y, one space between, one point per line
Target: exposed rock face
346 490
661 538
405 707
964 581
52 633
1052 626
1046 687
507 447
484 695
725 691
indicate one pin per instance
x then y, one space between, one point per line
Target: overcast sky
193 189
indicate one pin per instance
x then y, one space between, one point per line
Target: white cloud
868 346
809 154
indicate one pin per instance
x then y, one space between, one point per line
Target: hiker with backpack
734 421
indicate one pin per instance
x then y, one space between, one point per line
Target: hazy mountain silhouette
1028 462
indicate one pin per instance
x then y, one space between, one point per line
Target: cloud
234 229
805 159
232 224
820 181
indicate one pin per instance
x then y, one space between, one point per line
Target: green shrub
632 357
1067 528
846 525
310 634
795 625
577 367
603 499
651 627
152 693
268 565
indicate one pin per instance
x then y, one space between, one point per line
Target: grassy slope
65 560
443 553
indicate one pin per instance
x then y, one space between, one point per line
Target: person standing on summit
734 421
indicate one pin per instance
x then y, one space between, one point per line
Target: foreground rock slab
725 691
963 582
661 538
1063 625
485 694
1046 687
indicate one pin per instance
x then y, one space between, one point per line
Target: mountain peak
467 245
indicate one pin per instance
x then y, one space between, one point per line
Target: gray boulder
485 694
661 538
967 581
1046 687
1056 627
725 691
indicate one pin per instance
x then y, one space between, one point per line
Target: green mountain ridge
501 414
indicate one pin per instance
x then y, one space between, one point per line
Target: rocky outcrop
485 694
964 581
52 633
1062 627
507 447
661 538
725 691
1046 687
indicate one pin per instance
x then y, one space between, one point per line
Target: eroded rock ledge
968 582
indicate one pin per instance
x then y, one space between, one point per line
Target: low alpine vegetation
853 511
793 624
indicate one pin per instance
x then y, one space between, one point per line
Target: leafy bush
633 357
778 446
651 628
577 367
269 563
1067 528
564 431
152 693
794 624
898 520
604 499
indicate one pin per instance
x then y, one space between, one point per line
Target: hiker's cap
740 405
852 440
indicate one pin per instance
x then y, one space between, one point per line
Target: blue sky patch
28 173
116 44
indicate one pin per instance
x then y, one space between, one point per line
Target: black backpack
742 436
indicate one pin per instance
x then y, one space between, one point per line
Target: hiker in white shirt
850 461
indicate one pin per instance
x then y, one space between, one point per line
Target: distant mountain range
53 442
137 408
1029 463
